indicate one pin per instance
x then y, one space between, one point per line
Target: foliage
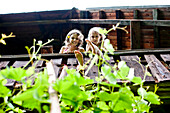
5 36
78 93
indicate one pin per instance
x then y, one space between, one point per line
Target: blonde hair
80 37
95 29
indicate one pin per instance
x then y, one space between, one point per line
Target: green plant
4 36
28 96
78 93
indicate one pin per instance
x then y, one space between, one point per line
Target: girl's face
95 37
74 39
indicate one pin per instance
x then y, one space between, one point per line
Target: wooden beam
88 21
135 14
132 61
24 57
156 29
135 35
157 68
155 22
4 64
100 21
119 15
129 7
85 27
84 14
102 14
155 14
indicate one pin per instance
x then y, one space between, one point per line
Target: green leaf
141 91
149 74
152 97
137 80
75 77
125 102
15 73
109 46
87 111
121 105
4 91
131 73
105 112
46 108
18 110
108 84
90 95
123 70
106 71
102 105
103 31
104 88
2 111
27 99
114 97
42 79
102 95
142 105
30 70
126 90
27 95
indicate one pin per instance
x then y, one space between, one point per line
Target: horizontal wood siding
164 37
56 24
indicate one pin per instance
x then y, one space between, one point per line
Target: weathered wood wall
56 24
147 38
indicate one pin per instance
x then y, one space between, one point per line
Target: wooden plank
118 52
84 14
39 69
19 64
38 64
139 69
57 62
160 72
119 15
135 35
93 72
47 49
3 64
165 57
72 63
102 14
85 28
135 14
129 7
156 29
155 14
57 70
88 21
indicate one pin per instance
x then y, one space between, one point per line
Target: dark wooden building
149 27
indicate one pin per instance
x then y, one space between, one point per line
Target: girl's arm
62 49
87 48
